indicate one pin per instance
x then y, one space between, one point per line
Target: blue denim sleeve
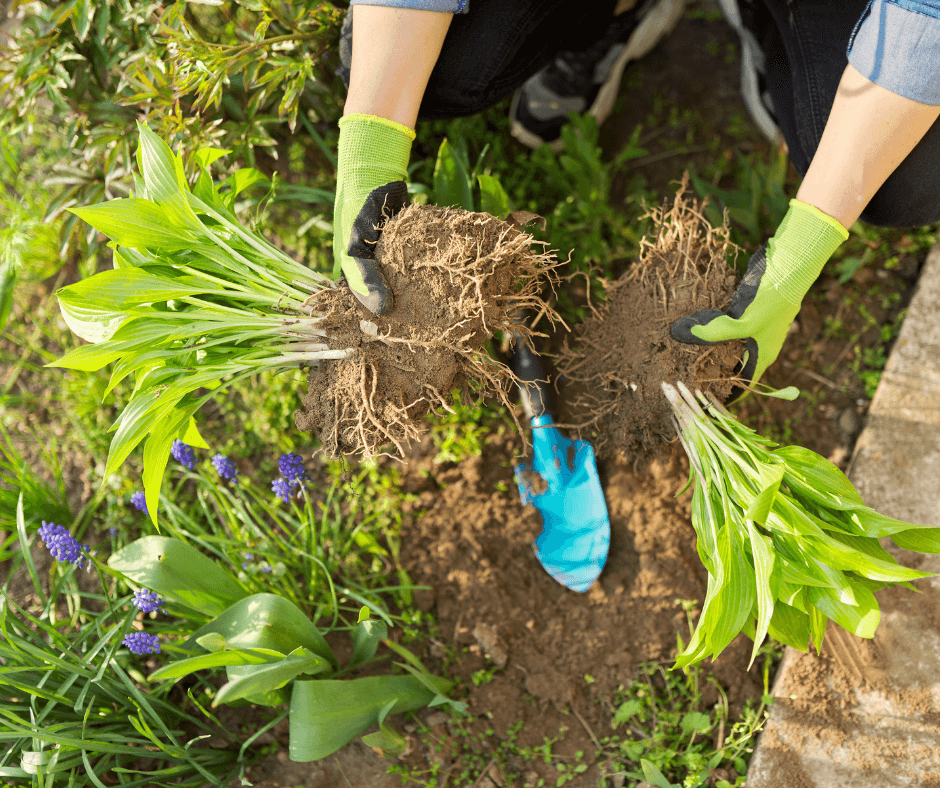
444 6
896 45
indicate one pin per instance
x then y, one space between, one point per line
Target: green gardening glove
778 276
370 187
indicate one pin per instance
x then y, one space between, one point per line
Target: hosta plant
195 301
787 540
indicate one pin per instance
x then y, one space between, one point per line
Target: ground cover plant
192 288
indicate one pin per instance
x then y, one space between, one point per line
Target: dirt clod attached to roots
457 277
619 357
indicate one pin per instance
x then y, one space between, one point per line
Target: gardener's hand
371 168
778 276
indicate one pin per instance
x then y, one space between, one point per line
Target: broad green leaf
89 358
157 454
265 621
386 740
763 567
816 478
192 437
212 642
848 558
923 540
260 680
166 180
326 715
88 322
206 157
760 506
243 179
451 180
493 197
120 290
365 639
734 600
874 524
136 224
861 619
790 626
179 572
218 659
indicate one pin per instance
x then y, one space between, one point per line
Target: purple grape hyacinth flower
282 488
148 601
292 467
62 545
142 643
183 453
139 500
225 467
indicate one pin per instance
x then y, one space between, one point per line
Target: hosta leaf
760 506
817 622
763 567
120 290
166 180
733 602
136 224
206 157
923 540
89 322
192 437
790 626
861 619
157 453
816 478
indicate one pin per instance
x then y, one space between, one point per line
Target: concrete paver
867 713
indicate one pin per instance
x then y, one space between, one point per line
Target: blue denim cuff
444 6
897 46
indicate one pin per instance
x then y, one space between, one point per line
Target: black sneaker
760 105
589 81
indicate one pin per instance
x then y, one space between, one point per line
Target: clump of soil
457 277
621 355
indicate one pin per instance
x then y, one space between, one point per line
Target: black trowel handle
534 389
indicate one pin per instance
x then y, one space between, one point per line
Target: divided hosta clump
787 540
196 301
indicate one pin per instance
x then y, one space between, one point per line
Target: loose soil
457 277
619 358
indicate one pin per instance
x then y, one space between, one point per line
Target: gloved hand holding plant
777 279
372 165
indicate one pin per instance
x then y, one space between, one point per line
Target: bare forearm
394 52
870 131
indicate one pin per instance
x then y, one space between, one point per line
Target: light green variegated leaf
734 600
157 454
861 619
192 437
769 482
120 291
763 567
923 540
88 322
790 626
817 479
817 622
136 224
166 180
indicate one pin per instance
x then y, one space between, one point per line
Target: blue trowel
560 481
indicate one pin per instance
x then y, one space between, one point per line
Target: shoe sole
659 22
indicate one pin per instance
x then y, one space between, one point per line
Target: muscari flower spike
62 545
139 500
225 467
183 453
292 467
142 643
282 488
147 601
